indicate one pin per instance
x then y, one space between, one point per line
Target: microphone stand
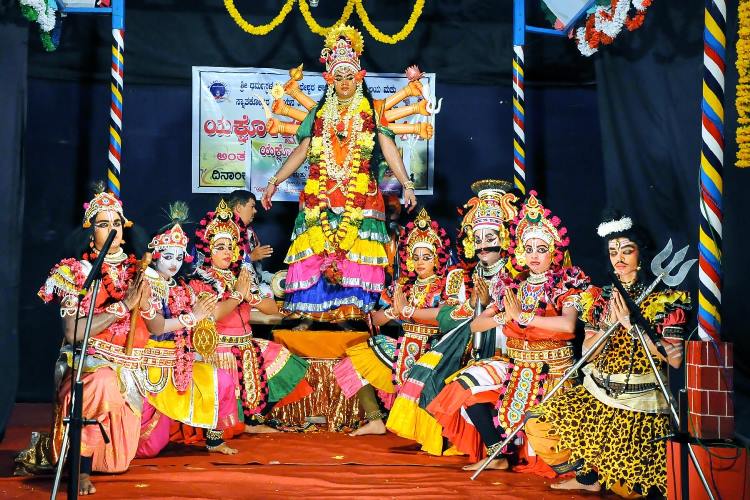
75 421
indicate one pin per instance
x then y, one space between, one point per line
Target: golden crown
103 202
343 46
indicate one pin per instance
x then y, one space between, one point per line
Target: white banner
233 150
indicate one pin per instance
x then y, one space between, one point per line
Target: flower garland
304 8
316 28
43 12
263 29
180 301
124 271
353 174
397 37
743 85
606 22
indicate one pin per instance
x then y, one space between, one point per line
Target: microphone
97 266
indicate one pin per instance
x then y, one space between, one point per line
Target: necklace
537 279
492 269
529 294
420 290
115 258
226 275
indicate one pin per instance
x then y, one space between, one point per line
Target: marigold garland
397 37
316 28
742 101
263 29
304 8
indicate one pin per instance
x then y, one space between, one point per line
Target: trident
663 275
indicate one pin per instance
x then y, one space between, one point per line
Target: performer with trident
608 430
337 258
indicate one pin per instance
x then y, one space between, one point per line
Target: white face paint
170 261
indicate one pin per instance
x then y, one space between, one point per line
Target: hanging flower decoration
743 86
604 22
304 8
44 12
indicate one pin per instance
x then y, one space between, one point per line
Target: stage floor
312 465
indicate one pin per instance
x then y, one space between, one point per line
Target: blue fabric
324 296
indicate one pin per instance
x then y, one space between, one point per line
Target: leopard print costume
616 443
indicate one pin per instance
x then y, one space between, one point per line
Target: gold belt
235 340
557 354
141 357
420 329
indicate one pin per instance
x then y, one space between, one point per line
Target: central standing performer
337 257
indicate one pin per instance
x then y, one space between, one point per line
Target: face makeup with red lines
106 221
424 262
624 257
538 255
222 253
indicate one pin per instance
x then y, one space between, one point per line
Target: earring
639 266
410 265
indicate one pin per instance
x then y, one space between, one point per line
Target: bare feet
373 427
225 449
573 484
85 486
305 324
496 464
260 429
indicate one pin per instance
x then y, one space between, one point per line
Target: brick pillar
709 387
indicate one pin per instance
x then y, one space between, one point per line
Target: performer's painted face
170 261
487 245
247 211
222 253
106 221
624 257
538 255
344 83
424 262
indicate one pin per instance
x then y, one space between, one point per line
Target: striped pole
712 166
519 135
115 111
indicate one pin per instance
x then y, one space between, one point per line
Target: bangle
118 309
149 313
187 320
273 180
499 318
390 314
407 312
409 185
525 318
236 296
254 300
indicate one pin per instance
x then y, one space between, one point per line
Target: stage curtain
13 57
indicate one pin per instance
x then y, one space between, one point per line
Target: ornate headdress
216 225
492 208
174 237
343 46
103 202
423 232
535 221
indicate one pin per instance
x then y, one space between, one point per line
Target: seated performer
336 258
263 372
609 429
484 235
111 375
538 312
243 204
180 386
382 363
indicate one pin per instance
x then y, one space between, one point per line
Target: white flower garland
45 13
614 226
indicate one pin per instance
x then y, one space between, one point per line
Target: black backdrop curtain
649 90
13 55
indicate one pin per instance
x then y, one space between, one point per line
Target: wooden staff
142 265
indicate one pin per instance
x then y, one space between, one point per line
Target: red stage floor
314 465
